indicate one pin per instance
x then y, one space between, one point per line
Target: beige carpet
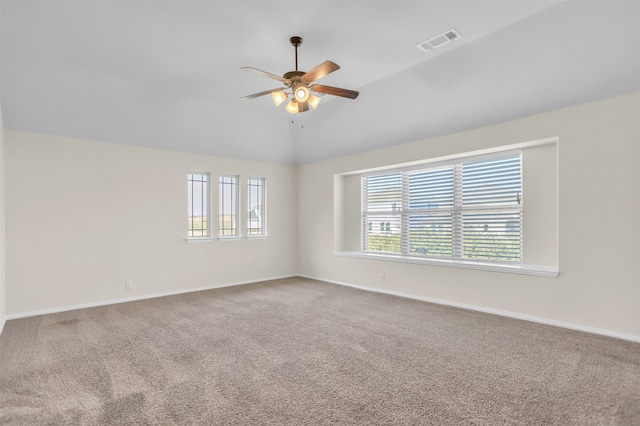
302 352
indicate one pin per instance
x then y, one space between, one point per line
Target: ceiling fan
301 86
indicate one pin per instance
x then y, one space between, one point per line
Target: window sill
197 240
230 238
537 270
192 240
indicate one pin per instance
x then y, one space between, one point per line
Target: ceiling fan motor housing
294 75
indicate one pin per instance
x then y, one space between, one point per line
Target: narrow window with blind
199 219
256 224
465 210
228 204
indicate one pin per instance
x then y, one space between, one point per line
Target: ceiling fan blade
264 73
320 71
266 92
336 91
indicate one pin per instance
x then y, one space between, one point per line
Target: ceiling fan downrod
295 42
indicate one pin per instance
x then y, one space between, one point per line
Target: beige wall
598 222
2 230
84 216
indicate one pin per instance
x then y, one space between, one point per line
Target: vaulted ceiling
166 74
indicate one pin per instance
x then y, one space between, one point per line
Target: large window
465 210
256 225
228 203
199 223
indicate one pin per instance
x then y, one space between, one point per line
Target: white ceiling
166 74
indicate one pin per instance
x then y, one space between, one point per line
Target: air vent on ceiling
439 40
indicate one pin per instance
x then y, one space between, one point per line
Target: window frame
453 210
206 203
234 202
263 203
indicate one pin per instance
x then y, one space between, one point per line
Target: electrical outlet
128 285
382 278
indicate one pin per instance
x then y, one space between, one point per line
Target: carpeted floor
303 352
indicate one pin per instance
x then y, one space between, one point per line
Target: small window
228 203
199 220
256 205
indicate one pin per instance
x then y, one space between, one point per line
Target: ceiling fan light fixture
292 106
278 97
301 93
314 101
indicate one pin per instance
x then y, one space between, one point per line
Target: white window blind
465 210
429 199
382 206
491 208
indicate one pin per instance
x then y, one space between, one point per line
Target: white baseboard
509 314
135 298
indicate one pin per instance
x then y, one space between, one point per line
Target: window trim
207 202
341 246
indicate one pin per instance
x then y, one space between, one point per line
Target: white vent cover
439 40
